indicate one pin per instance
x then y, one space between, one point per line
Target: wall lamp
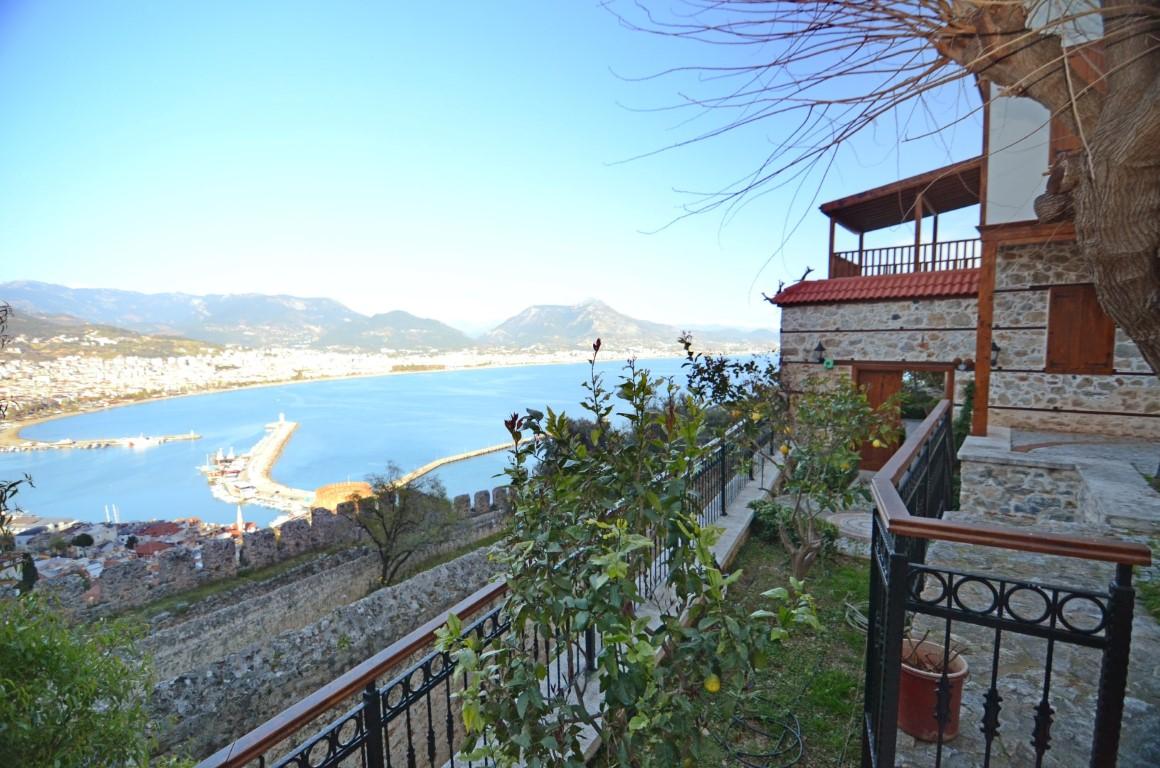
819 353
995 350
965 364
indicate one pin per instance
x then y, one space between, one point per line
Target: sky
460 160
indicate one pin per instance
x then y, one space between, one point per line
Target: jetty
434 465
245 479
139 442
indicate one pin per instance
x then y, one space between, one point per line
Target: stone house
1014 309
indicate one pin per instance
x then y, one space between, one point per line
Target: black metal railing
903 259
413 720
911 493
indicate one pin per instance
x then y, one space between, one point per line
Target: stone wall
1023 395
1021 492
137 581
906 331
215 703
914 330
250 617
190 644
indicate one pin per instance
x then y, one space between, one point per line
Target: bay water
348 429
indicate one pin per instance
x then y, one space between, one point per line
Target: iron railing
412 720
902 259
911 493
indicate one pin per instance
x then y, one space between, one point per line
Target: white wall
1018 142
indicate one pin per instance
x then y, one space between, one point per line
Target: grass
815 677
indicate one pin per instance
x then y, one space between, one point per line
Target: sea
348 429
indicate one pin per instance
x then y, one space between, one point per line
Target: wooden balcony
909 200
902 259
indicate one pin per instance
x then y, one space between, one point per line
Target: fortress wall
220 701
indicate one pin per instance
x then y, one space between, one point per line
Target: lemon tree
584 528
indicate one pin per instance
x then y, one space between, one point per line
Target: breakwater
139 442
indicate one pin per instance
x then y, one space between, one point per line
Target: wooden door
879 386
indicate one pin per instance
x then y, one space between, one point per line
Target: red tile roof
147 548
916 285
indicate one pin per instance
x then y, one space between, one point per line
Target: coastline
10 433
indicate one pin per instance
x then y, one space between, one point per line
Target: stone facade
907 331
1022 394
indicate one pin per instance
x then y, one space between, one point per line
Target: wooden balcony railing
903 259
911 493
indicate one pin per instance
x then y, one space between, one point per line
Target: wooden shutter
1080 336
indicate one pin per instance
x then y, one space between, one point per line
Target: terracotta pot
918 693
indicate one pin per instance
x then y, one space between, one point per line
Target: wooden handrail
349 684
897 518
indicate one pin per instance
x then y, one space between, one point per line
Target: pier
141 441
245 479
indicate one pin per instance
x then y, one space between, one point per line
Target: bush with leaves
68 694
582 533
823 436
818 434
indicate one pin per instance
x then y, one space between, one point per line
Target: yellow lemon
877 443
845 465
712 683
784 449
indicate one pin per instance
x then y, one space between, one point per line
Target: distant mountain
396 330
36 336
556 326
258 320
249 319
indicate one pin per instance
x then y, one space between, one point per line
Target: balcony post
373 722
833 262
918 204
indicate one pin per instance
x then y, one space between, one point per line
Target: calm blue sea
347 430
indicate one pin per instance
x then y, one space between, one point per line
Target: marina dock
245 479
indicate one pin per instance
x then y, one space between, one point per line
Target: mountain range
259 320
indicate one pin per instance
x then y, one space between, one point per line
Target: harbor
245 478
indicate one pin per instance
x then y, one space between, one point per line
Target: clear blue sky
457 160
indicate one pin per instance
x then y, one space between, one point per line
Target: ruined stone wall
1023 395
249 618
181 647
215 703
134 582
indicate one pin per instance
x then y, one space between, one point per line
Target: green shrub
68 695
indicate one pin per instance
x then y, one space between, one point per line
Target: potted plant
923 664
